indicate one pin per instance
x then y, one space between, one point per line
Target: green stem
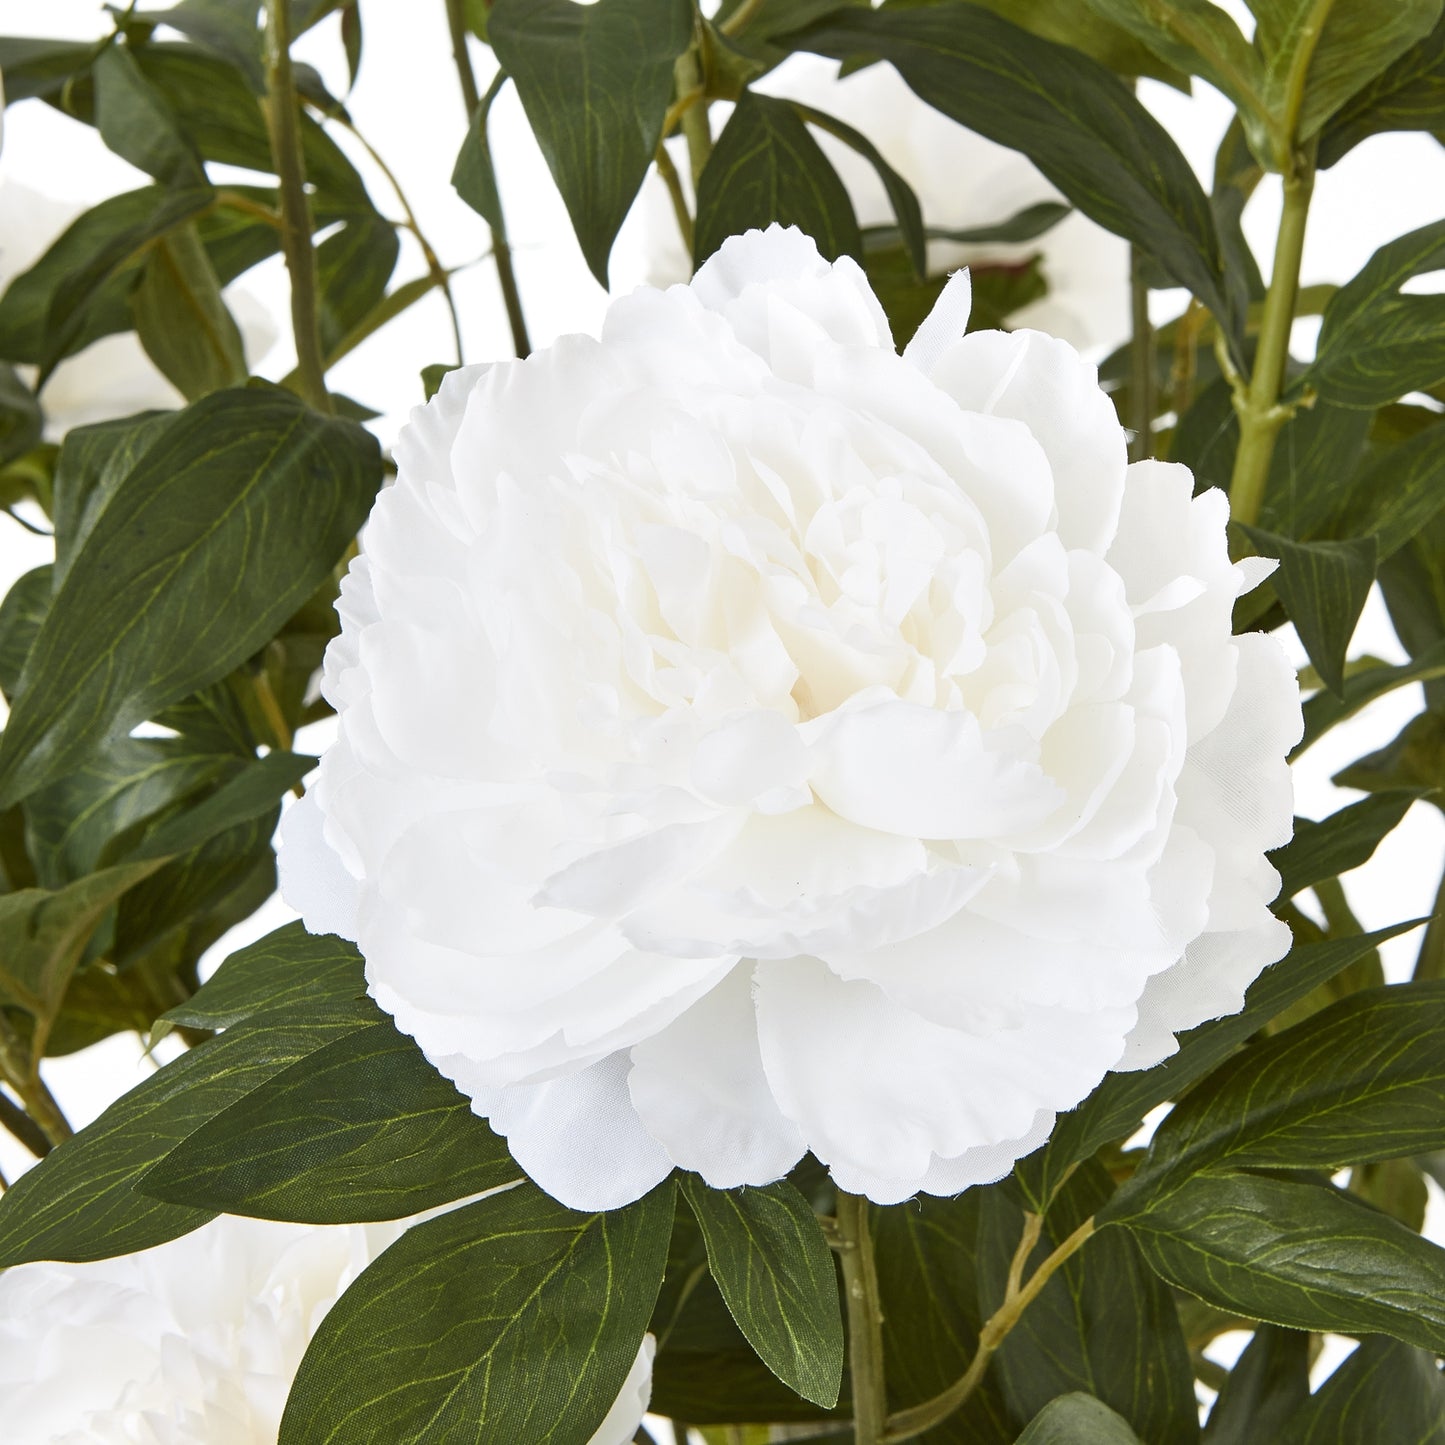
23 1127
501 248
1260 413
23 1075
696 127
865 1320
1017 1297
283 125
1141 362
673 182
1430 964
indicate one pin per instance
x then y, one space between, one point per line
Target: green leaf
900 194
93 462
1196 37
595 82
1314 467
1343 841
352 270
927 1259
432 376
216 536
79 1202
1361 1080
1415 758
43 935
79 289
1324 586
224 27
1075 120
1025 225
1326 710
21 614
1077 1419
1408 95
508 1319
1115 1108
766 168
767 1253
20 417
474 176
1376 344
1299 1254
1398 496
34 67
1358 40
362 1129
288 968
1105 1324
136 123
1384 1392
1266 1387
181 319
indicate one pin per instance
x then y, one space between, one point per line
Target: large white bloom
753 741
962 180
113 376
195 1342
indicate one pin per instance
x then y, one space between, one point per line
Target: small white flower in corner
753 741
194 1342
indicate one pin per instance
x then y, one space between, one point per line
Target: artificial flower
753 741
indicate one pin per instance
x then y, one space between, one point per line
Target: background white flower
195 1342
113 376
752 742
962 180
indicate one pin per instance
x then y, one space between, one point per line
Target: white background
407 103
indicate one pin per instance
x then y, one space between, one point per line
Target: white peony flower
195 1342
113 376
962 181
753 741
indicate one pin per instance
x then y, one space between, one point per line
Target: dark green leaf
927 1258
1267 1385
362 1129
21 614
252 793
767 1253
1299 1254
1415 758
1025 225
1325 710
182 320
766 168
1398 496
900 194
1105 1324
352 269
79 289
1075 120
1408 95
34 67
43 935
135 121
20 418
1323 586
474 176
224 27
1361 1080
286 969
1314 468
1375 343
1342 841
93 462
1077 1419
78 1203
1115 1108
217 535
1384 1392
509 1319
433 375
595 81
1358 40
